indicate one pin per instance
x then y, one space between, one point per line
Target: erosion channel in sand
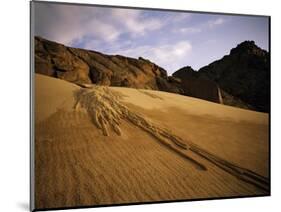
97 145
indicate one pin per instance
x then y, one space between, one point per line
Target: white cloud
103 31
201 27
67 23
188 30
135 23
127 32
177 17
171 56
216 22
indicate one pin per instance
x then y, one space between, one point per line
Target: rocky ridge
239 79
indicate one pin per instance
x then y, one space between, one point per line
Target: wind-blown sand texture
111 145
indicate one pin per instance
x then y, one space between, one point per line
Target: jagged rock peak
186 71
248 47
244 74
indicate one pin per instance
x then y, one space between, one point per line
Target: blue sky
170 39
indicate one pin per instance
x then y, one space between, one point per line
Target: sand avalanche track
98 148
106 111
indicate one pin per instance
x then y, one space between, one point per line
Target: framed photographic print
139 105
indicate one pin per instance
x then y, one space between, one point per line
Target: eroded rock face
243 74
191 85
85 66
54 59
242 77
239 79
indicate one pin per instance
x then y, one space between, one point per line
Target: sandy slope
238 135
118 145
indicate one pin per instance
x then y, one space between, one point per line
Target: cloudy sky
170 39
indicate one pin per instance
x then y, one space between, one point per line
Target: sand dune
104 145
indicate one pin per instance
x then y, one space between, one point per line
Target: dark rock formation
239 79
85 66
243 74
242 78
185 72
195 87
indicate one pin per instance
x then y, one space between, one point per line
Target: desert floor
106 145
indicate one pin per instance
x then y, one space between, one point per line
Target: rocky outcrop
239 79
242 78
191 85
243 74
85 66
186 72
56 60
